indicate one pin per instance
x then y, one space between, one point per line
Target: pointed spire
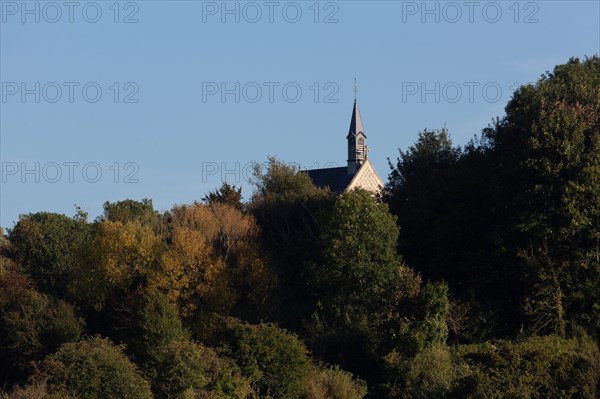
355 123
357 140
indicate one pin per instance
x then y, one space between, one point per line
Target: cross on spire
355 89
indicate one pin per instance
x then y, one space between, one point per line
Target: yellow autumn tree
192 274
212 258
120 254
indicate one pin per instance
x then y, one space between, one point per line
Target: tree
213 260
237 243
226 194
511 220
150 327
420 192
287 207
4 245
145 321
547 150
273 358
433 150
32 325
192 273
93 369
47 246
129 211
361 284
359 252
121 256
185 369
434 308
440 194
32 390
278 181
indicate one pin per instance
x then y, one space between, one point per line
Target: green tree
145 322
434 308
362 286
129 211
47 246
273 358
185 369
511 221
149 325
32 325
359 255
93 369
547 149
278 181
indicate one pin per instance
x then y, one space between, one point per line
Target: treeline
475 273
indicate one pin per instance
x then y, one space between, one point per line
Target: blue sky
102 101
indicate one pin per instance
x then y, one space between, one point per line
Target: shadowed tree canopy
511 221
287 207
32 325
547 153
226 194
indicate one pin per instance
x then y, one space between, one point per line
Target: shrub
93 369
272 357
145 322
185 369
429 374
33 390
334 383
539 367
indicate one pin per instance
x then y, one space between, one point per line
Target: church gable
366 178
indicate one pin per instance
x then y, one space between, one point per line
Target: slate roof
337 179
356 122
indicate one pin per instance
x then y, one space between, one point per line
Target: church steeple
359 173
357 141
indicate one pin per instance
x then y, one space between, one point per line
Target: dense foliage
91 369
474 273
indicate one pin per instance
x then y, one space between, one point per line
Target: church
359 173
